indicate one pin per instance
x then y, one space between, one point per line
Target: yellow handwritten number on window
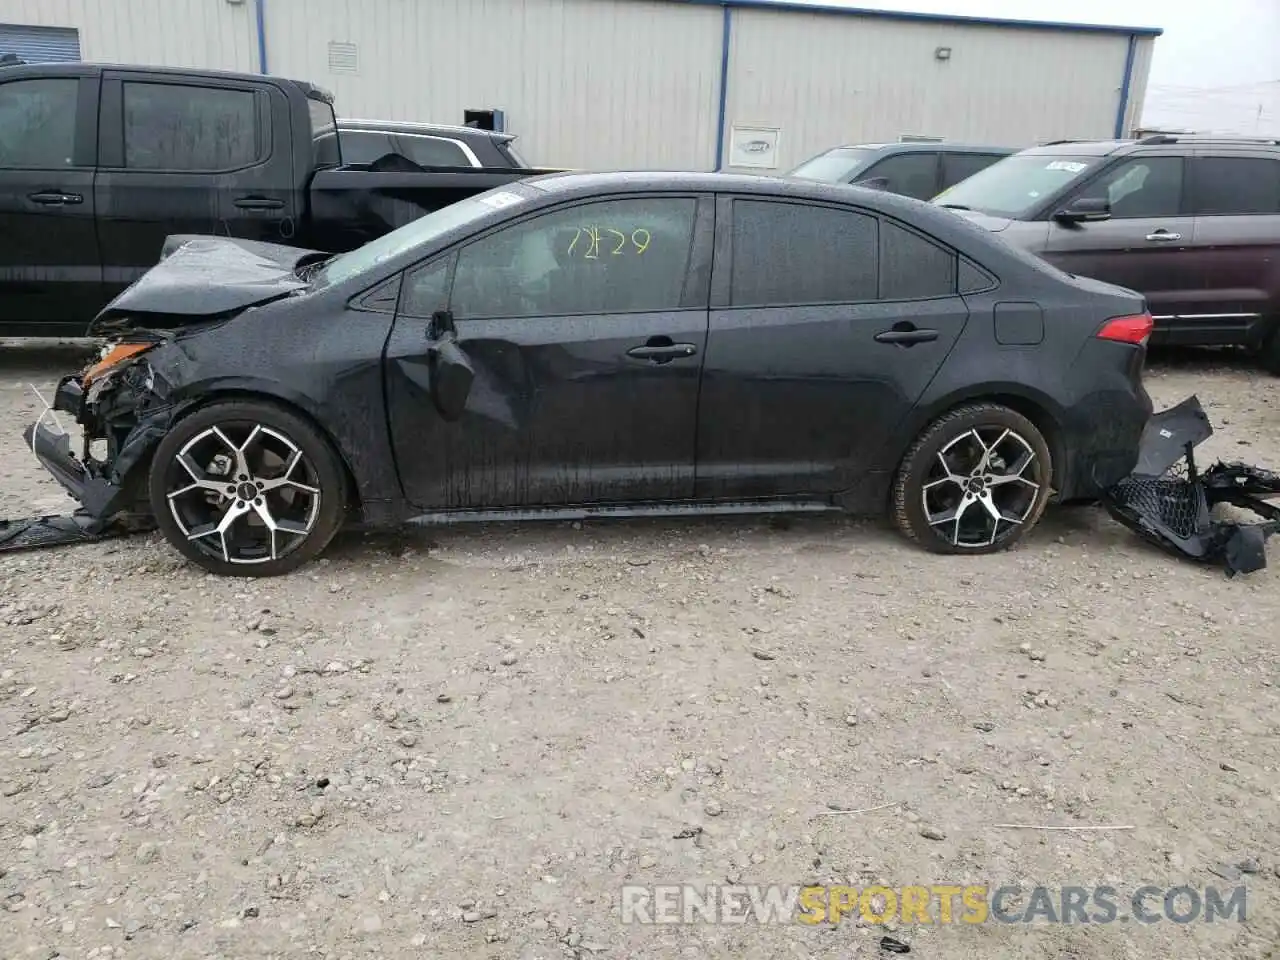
640 240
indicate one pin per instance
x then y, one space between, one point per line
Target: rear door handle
663 353
51 198
1163 235
259 203
906 338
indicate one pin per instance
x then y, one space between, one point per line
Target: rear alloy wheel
975 481
247 489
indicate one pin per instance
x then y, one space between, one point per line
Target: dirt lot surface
463 743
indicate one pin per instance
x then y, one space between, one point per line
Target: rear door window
788 254
1235 186
962 166
182 127
910 174
913 268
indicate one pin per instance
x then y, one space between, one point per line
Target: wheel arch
1036 406
295 405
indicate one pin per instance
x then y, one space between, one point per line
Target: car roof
925 146
1103 148
411 126
80 68
568 185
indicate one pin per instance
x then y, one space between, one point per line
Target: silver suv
1191 223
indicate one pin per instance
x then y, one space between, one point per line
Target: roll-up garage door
40 44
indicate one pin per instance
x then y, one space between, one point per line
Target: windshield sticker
500 201
1070 166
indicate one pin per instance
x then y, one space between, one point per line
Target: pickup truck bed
99 164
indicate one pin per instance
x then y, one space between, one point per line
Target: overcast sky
1216 68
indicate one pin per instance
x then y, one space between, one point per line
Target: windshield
417 233
324 134
1012 187
834 166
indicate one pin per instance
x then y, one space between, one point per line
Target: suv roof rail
1160 138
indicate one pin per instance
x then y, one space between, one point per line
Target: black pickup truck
99 164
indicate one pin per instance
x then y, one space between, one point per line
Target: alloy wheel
981 487
243 493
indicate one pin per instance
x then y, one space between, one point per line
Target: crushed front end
123 406
1169 502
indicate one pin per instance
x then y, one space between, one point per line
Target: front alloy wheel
975 481
247 489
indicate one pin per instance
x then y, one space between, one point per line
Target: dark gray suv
912 169
1191 223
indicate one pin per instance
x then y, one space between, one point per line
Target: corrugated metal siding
175 33
1142 53
828 79
584 83
40 44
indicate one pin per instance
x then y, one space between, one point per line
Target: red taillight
1133 329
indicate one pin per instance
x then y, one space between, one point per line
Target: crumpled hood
993 224
201 276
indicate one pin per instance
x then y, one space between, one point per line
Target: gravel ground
464 743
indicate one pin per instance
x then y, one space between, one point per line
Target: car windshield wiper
955 206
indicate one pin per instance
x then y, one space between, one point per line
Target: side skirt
682 508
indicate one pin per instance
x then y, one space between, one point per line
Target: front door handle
51 198
1163 236
662 350
259 203
906 334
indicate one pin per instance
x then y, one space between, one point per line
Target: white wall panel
210 34
609 84
584 83
826 79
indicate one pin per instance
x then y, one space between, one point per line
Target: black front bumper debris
56 531
97 496
1168 502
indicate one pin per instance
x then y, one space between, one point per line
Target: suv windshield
834 166
416 233
1012 187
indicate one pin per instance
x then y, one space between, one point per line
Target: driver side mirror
451 377
1084 210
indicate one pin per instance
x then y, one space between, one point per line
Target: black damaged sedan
606 345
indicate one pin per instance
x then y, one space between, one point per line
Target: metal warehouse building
696 84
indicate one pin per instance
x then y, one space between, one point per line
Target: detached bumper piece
99 496
1168 502
98 518
57 531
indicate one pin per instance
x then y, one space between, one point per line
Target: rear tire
247 489
1269 355
975 481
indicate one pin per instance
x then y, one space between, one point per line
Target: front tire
247 489
975 481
